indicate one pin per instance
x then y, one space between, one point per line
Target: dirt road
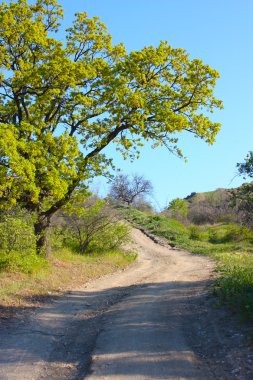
154 320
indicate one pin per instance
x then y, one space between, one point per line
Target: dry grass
64 271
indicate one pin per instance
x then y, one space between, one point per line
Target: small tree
128 189
94 226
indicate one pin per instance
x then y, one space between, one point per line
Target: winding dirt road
155 320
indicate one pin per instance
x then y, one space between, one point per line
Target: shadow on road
135 329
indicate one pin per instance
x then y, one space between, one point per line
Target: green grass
26 262
229 245
235 283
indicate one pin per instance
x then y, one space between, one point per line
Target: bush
17 232
213 236
18 242
28 263
90 227
110 238
238 233
194 233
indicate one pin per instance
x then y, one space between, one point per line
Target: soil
157 319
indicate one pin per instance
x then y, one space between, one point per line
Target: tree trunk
84 246
42 233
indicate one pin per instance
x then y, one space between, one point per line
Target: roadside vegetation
84 245
230 245
63 271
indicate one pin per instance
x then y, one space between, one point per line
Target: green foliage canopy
62 103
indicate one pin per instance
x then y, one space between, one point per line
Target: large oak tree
63 102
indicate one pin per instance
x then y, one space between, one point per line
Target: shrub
110 238
237 233
213 236
194 233
90 227
18 242
17 232
28 263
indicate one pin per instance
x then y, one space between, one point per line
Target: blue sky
221 34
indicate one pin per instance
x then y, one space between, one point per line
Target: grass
64 270
231 246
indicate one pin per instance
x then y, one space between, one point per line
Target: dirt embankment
155 320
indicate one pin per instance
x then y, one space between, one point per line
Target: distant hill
211 196
210 207
207 208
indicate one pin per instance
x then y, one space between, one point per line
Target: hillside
205 208
210 207
212 196
219 206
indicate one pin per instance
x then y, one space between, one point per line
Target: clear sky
220 32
